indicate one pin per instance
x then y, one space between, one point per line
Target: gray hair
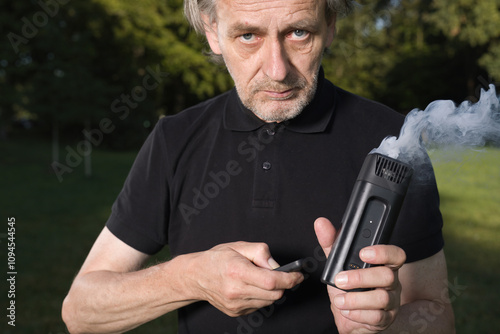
194 8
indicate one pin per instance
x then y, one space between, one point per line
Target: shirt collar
313 119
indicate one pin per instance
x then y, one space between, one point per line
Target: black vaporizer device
371 213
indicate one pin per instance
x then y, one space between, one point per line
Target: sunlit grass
469 185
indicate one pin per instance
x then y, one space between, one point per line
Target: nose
275 61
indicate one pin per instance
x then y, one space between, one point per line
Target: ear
211 34
331 30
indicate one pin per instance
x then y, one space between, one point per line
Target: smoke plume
444 124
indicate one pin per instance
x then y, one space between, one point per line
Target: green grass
57 222
469 185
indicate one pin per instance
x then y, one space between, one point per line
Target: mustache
279 86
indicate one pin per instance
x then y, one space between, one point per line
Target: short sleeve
140 213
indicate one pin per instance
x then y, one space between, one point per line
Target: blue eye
299 33
247 37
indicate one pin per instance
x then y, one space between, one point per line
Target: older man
229 182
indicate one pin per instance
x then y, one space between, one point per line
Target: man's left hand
368 311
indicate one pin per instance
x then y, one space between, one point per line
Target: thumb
258 253
326 234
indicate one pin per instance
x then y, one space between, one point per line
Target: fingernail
339 300
368 254
341 279
344 312
273 263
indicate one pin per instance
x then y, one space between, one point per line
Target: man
233 180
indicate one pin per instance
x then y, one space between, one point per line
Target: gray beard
281 115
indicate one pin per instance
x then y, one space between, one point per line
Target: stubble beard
278 109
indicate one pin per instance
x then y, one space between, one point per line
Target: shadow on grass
56 225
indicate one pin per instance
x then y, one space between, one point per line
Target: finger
375 320
378 299
264 279
374 277
388 255
325 233
258 253
248 295
272 280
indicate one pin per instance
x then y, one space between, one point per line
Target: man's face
273 51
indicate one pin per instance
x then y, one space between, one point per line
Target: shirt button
266 165
270 132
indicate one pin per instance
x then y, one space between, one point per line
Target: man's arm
426 306
420 287
111 294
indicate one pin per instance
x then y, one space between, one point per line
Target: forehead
253 12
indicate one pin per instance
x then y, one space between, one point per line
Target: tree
75 63
12 63
85 61
472 27
407 53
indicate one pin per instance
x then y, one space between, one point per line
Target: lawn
469 185
56 223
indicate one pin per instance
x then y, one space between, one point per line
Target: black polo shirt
215 173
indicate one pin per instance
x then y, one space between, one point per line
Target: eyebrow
305 24
240 28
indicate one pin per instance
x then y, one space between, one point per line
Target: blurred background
82 83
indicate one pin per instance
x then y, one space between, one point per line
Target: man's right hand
112 294
237 278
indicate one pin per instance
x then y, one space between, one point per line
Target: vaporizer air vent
390 170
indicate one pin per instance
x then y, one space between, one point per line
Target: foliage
407 53
69 63
473 23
